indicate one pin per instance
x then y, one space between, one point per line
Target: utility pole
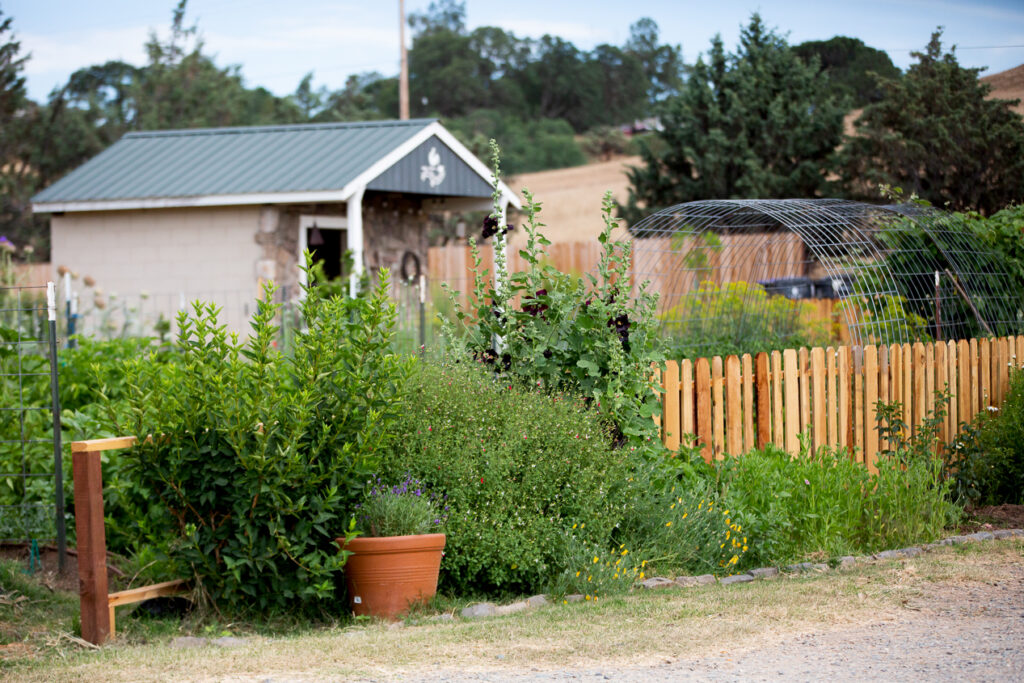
403 77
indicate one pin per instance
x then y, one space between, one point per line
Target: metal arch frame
827 228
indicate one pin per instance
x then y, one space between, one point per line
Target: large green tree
852 67
755 124
937 133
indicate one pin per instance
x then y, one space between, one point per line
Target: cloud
69 51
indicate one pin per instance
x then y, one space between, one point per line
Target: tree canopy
851 66
935 133
756 123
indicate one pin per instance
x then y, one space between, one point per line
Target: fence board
734 409
953 408
819 426
805 391
832 403
748 402
671 405
870 407
845 427
686 403
718 407
764 412
963 351
791 402
975 378
942 386
919 387
896 375
858 403
702 371
908 387
778 432
929 380
985 367
883 390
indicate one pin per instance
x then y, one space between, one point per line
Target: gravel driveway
971 632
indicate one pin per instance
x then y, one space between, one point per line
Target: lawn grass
642 628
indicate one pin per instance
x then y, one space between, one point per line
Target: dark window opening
328 248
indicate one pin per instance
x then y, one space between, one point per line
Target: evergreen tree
756 124
852 67
936 134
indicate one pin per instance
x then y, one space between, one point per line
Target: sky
276 43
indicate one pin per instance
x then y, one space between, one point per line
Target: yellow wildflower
595 559
685 514
668 523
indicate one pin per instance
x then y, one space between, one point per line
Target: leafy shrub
562 332
737 318
986 462
519 468
258 458
825 502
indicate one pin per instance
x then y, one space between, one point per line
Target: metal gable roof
258 160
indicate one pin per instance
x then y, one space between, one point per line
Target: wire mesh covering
751 275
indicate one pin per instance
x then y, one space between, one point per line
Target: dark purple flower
621 325
490 227
536 308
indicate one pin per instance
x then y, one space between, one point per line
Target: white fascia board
185 202
398 153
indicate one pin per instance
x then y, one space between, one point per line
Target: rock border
487 609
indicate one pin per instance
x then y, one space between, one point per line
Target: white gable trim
400 152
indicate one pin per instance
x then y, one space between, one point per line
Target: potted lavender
396 564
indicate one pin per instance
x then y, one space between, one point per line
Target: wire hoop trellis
746 275
31 469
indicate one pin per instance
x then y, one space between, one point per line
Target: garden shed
160 218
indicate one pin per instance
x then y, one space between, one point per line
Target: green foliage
737 318
756 124
257 458
404 509
825 503
852 67
937 134
604 142
566 332
1003 234
986 462
527 145
519 468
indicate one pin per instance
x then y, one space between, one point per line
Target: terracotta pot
387 575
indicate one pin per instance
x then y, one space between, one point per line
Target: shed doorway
326 237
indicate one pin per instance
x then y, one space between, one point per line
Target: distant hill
1008 85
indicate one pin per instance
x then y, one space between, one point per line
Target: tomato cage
743 276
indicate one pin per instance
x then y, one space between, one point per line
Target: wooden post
778 431
871 407
832 408
718 407
792 401
819 425
764 415
92 546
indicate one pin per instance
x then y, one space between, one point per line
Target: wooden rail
738 403
97 604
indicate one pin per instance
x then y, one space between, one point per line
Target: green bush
737 318
594 336
257 459
986 462
825 503
519 467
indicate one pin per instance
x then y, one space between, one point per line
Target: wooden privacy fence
738 403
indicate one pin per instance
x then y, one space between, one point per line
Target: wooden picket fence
735 404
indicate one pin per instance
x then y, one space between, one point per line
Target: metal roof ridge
283 127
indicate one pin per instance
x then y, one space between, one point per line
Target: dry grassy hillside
571 197
1008 85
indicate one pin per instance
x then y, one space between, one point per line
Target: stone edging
487 609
